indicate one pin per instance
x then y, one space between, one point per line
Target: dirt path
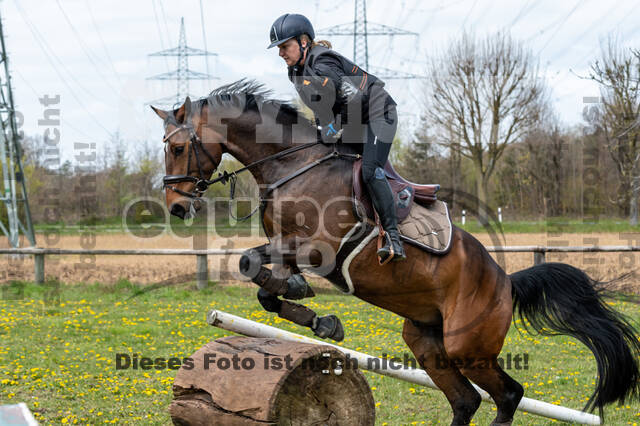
153 269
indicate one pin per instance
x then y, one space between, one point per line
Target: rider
336 89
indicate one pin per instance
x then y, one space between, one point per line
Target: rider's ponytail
324 43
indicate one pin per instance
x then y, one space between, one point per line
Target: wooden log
264 381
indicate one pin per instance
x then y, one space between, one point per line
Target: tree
148 168
546 147
618 73
482 96
115 169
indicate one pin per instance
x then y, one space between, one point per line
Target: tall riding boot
383 202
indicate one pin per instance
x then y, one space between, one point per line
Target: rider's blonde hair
313 44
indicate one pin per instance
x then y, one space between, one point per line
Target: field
59 358
58 341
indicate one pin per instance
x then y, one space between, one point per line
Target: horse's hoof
298 288
329 327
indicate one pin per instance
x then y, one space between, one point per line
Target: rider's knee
370 172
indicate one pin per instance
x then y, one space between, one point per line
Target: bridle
195 145
202 183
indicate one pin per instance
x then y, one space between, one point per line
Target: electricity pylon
14 192
182 74
360 29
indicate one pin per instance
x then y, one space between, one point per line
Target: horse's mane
253 94
243 86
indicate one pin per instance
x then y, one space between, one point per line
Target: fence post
538 257
202 273
38 260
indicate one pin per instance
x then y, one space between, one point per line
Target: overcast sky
95 54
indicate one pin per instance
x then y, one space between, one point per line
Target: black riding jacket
337 90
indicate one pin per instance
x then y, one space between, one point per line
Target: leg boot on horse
326 327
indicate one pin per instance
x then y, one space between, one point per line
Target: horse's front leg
282 282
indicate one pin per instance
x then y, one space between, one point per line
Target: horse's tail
558 298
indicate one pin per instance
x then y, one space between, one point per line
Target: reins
202 184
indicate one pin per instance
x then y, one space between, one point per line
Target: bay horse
457 306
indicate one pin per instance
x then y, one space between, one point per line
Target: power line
626 15
104 46
85 49
204 40
164 17
49 56
42 42
160 33
564 20
35 92
522 13
464 23
433 13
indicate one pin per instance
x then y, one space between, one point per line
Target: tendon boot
385 206
328 326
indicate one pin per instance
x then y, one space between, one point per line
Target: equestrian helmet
288 26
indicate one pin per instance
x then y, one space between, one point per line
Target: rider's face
290 52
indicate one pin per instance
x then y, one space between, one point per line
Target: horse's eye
178 150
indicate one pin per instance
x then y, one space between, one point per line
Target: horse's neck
245 148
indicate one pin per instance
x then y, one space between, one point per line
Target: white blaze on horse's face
185 143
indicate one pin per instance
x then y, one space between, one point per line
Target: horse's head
193 151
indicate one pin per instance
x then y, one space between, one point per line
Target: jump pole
250 328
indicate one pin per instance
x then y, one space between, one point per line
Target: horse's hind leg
476 349
505 391
427 345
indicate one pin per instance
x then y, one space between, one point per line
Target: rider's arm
324 86
345 88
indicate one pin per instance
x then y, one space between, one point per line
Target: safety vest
355 82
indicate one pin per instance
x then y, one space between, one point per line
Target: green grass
59 358
565 225
225 229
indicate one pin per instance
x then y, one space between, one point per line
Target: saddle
404 192
423 220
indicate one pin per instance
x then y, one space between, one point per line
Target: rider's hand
330 134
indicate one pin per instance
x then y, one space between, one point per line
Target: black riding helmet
288 26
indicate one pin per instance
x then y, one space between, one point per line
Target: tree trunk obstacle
244 381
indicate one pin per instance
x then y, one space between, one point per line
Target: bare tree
618 73
546 147
147 167
484 95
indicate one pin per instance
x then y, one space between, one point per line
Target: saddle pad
428 228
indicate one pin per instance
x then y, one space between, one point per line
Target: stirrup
384 235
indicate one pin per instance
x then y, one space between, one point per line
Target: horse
457 306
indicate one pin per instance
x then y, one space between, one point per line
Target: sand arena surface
153 269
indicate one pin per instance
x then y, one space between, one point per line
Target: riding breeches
378 136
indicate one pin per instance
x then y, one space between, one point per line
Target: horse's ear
162 114
184 111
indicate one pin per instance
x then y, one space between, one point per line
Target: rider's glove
330 134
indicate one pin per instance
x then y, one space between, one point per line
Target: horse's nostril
178 210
